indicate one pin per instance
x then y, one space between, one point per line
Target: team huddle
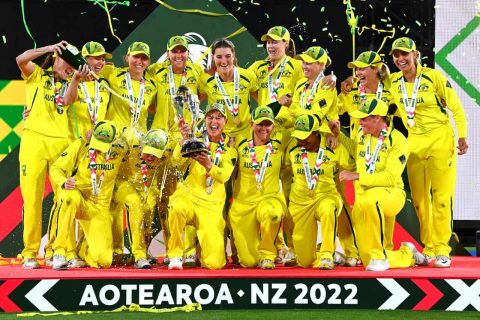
263 179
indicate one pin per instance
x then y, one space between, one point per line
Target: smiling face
311 142
372 125
262 131
96 63
61 69
178 57
276 49
312 70
215 122
137 63
224 60
366 75
405 61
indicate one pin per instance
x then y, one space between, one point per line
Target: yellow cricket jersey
119 109
434 96
324 105
245 185
292 72
390 163
166 115
332 161
194 182
74 162
79 121
351 102
248 83
43 117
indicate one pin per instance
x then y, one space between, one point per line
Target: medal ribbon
370 161
92 153
273 87
141 93
232 107
363 93
308 105
257 170
410 106
58 94
312 181
144 171
92 111
216 160
171 80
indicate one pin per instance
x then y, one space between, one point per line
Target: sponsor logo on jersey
248 164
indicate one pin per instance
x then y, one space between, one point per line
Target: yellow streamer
207 13
373 27
231 35
110 21
131 308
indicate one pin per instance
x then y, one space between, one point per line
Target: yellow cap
304 126
103 136
95 49
372 107
176 41
139 48
277 33
263 113
216 106
314 54
366 59
155 142
403 44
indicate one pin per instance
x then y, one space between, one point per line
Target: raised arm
24 60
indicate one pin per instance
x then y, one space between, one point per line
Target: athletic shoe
339 258
152 259
351 262
59 262
48 261
166 261
420 259
290 259
442 262
378 265
142 264
190 261
280 255
266 264
76 263
326 264
175 264
31 263
428 258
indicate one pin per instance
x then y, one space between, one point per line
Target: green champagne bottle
73 57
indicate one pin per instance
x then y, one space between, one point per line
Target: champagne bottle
73 57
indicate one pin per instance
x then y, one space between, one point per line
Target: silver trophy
184 99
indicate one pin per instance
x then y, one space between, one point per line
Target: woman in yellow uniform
86 172
423 97
136 188
258 203
200 196
230 85
372 82
313 195
135 85
44 137
381 154
177 70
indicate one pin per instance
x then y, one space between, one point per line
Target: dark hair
291 52
48 61
223 43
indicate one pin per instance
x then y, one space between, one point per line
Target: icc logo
196 47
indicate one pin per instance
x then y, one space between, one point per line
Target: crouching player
86 172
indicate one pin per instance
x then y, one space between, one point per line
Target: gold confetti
266 14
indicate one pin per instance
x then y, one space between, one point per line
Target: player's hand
347 84
462 146
58 47
203 159
285 100
332 141
329 82
82 73
69 184
25 113
348 176
334 126
184 130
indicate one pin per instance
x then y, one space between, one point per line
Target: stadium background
449 26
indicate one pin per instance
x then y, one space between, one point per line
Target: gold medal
209 190
259 186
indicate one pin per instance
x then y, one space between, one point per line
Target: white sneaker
59 262
280 255
48 261
429 258
143 264
175 264
420 259
339 258
351 262
378 265
31 263
442 262
76 263
266 264
190 261
326 264
290 258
